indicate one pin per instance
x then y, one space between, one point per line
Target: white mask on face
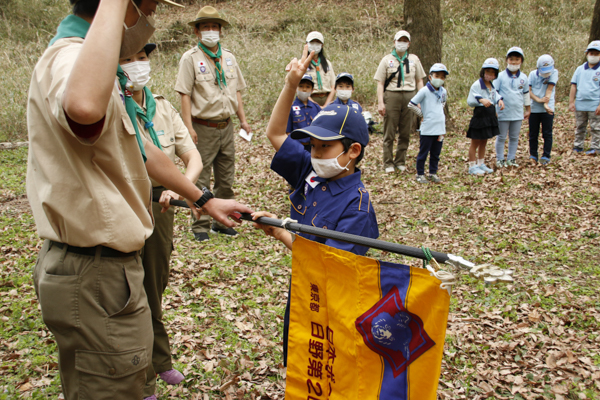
344 94
316 47
437 82
401 47
138 73
210 38
329 167
593 59
514 67
303 96
546 75
137 36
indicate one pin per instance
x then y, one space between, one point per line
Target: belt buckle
222 125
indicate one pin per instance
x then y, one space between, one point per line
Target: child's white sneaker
475 170
389 170
485 169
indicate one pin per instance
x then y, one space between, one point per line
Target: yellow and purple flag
361 328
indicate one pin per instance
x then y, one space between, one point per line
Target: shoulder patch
365 202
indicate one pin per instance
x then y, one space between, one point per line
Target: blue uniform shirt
350 103
480 91
538 86
342 205
511 87
588 87
302 115
432 103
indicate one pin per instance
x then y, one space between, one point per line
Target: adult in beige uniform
161 124
320 70
89 191
210 83
399 76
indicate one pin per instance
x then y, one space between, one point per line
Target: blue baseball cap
594 45
438 67
307 77
335 122
545 64
517 50
344 75
491 63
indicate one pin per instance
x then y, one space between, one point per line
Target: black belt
91 251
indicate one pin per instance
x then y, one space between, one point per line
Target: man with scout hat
89 191
210 84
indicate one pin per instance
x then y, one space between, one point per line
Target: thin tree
595 28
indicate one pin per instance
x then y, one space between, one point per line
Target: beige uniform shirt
172 133
328 79
197 79
83 193
389 64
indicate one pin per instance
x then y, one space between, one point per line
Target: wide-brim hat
335 122
208 14
171 3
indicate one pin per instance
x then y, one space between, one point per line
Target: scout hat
401 34
517 50
594 45
545 64
344 75
438 67
335 122
491 63
315 35
208 14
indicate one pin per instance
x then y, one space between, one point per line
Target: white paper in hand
246 135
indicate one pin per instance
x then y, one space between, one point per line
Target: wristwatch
206 196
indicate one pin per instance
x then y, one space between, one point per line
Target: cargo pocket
111 375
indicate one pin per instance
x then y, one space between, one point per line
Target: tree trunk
595 28
423 20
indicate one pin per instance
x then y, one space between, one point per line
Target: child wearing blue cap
542 82
328 191
513 86
429 103
304 109
344 87
484 98
584 100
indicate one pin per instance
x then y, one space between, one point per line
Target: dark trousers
431 145
546 120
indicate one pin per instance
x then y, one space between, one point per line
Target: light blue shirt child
538 86
588 87
480 91
512 88
432 103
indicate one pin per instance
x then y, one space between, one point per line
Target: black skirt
484 123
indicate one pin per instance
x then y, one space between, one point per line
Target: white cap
594 45
516 50
491 63
438 67
315 35
401 34
545 64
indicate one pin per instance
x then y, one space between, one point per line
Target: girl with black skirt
484 123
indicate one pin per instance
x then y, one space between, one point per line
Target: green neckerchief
317 69
217 59
130 107
401 61
71 26
74 26
148 115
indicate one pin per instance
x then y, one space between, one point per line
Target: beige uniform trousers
217 148
97 310
398 118
156 258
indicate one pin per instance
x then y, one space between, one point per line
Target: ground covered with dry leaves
537 338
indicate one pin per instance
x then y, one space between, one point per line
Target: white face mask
210 38
316 47
303 96
593 59
401 47
344 94
138 73
514 67
329 167
137 36
437 82
546 75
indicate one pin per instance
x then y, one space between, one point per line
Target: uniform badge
522 81
202 66
228 61
355 106
391 63
597 73
160 133
296 108
297 112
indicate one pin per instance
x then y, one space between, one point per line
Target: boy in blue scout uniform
328 191
432 99
542 82
584 99
513 86
344 87
304 110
